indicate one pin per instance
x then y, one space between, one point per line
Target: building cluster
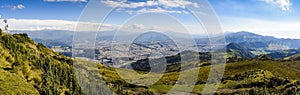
120 54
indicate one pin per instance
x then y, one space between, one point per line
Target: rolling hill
27 67
250 76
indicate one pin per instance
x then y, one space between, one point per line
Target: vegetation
27 67
252 76
249 76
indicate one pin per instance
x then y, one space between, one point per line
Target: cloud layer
285 5
65 0
160 6
20 7
165 3
13 7
37 25
264 27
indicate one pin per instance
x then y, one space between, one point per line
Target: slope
27 67
251 76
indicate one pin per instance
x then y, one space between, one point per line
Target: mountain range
27 67
245 38
258 41
239 44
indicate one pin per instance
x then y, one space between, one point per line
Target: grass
252 73
12 84
31 68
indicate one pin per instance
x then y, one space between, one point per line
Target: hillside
30 68
239 51
252 76
261 75
27 67
246 50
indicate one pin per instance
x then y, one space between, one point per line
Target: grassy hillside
250 76
27 67
246 77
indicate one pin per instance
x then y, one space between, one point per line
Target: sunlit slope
28 68
245 77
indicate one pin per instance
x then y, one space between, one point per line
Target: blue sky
280 18
259 9
39 9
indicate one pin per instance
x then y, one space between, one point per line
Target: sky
279 18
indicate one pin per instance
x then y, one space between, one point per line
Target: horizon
234 15
149 47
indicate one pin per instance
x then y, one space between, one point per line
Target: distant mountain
249 45
255 45
284 53
50 38
244 50
248 39
238 51
50 43
258 41
48 34
244 36
151 37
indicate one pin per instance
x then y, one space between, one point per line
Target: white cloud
65 0
122 4
165 3
155 10
177 3
281 29
138 26
13 7
20 7
161 6
285 5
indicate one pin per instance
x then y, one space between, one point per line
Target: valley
28 62
149 47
